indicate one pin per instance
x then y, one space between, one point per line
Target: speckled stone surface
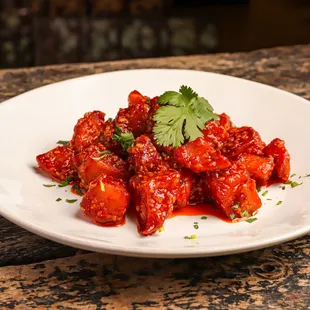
39 274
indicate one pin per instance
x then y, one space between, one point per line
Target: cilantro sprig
181 117
124 139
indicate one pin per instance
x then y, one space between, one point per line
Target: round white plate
33 122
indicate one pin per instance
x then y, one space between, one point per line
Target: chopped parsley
161 229
181 117
279 202
65 182
49 185
124 139
62 142
245 213
102 154
251 220
71 200
204 217
293 175
264 193
232 215
283 188
196 226
77 189
258 189
269 199
190 237
58 199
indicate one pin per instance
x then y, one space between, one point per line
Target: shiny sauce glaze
202 209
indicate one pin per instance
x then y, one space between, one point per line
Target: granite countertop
40 274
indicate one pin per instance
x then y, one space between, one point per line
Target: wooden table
37 273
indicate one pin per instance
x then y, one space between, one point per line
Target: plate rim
149 251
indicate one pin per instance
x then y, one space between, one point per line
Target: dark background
41 32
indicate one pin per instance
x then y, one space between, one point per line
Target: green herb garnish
49 185
283 188
161 229
110 119
264 193
294 174
190 237
196 226
71 200
245 213
77 189
58 199
269 199
204 217
124 139
232 215
181 117
63 142
102 154
65 182
294 184
279 202
258 189
307 175
251 220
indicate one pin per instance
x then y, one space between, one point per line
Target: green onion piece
258 189
196 226
190 237
279 202
235 207
102 154
232 215
77 189
65 182
294 174
161 229
294 184
58 199
49 185
245 213
71 200
204 217
251 220
62 142
264 193
102 186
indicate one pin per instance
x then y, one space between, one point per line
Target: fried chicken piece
106 201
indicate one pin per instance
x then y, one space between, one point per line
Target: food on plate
163 154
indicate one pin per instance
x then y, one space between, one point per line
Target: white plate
31 124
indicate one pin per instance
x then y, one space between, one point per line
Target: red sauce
200 209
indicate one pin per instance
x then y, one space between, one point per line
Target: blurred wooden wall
39 32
